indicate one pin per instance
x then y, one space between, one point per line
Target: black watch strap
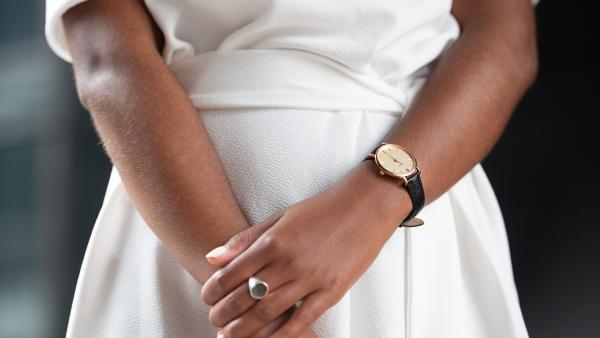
417 196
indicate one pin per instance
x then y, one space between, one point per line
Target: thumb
223 254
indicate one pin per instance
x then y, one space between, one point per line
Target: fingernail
216 252
220 335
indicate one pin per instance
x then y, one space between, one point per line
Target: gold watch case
395 161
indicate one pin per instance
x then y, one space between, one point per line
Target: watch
394 160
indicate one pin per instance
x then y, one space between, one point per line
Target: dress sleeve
54 29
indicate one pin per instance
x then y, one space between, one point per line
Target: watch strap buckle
413 222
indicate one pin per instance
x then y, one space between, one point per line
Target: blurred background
53 175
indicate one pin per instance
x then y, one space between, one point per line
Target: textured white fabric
318 83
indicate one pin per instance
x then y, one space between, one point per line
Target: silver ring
258 288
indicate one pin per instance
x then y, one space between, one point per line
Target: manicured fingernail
216 252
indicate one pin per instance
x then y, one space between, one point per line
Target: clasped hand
312 251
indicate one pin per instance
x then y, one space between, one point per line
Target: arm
451 125
467 100
151 131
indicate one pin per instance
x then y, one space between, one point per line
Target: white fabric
321 82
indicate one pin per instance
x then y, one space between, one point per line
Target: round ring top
257 287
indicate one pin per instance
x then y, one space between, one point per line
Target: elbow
528 61
521 39
509 29
101 75
93 69
92 84
517 57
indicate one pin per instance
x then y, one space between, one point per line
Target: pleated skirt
450 278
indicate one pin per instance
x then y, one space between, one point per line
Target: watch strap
417 197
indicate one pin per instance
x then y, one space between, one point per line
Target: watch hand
393 159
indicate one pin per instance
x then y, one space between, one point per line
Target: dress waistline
282 78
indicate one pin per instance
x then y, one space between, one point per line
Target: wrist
386 194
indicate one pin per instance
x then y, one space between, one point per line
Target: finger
219 256
308 334
311 309
236 302
242 267
223 254
266 331
266 310
239 300
224 280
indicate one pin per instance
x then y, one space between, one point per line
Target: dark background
53 176
545 176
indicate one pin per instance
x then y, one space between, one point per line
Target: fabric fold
261 78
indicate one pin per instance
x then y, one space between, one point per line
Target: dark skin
152 133
450 127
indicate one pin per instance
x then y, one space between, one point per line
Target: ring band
258 288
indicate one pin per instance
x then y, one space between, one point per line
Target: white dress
322 81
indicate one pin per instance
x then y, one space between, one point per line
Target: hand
312 251
271 327
268 329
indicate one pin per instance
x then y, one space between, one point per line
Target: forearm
462 109
155 138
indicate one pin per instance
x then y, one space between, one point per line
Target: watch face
396 160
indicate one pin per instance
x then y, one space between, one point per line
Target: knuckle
233 303
265 311
251 232
272 243
246 236
337 283
299 267
333 282
237 329
307 316
204 295
238 240
213 317
221 281
208 294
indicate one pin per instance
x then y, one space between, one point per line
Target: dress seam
407 283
